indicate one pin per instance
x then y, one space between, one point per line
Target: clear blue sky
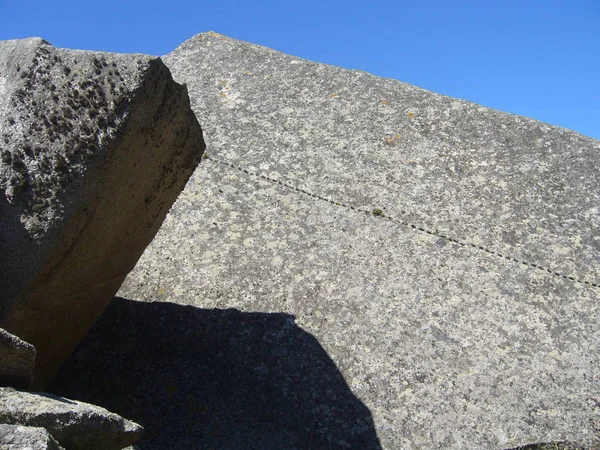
538 58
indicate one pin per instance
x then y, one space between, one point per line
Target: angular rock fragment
94 149
75 425
19 437
17 359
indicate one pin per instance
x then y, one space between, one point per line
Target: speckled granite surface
444 255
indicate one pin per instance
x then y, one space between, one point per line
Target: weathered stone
464 313
18 437
94 148
17 359
75 425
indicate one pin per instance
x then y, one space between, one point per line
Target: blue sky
538 58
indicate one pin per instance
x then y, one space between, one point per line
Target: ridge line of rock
379 213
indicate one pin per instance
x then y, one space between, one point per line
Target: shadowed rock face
94 149
216 379
464 314
17 360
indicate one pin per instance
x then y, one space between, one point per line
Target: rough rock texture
463 313
75 425
94 149
18 437
17 359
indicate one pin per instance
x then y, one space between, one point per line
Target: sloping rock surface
17 359
18 437
94 149
445 255
75 425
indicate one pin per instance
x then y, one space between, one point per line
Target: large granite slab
444 255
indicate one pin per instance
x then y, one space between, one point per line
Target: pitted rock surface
445 255
94 148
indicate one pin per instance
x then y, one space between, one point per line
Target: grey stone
465 314
17 359
18 437
75 425
94 149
